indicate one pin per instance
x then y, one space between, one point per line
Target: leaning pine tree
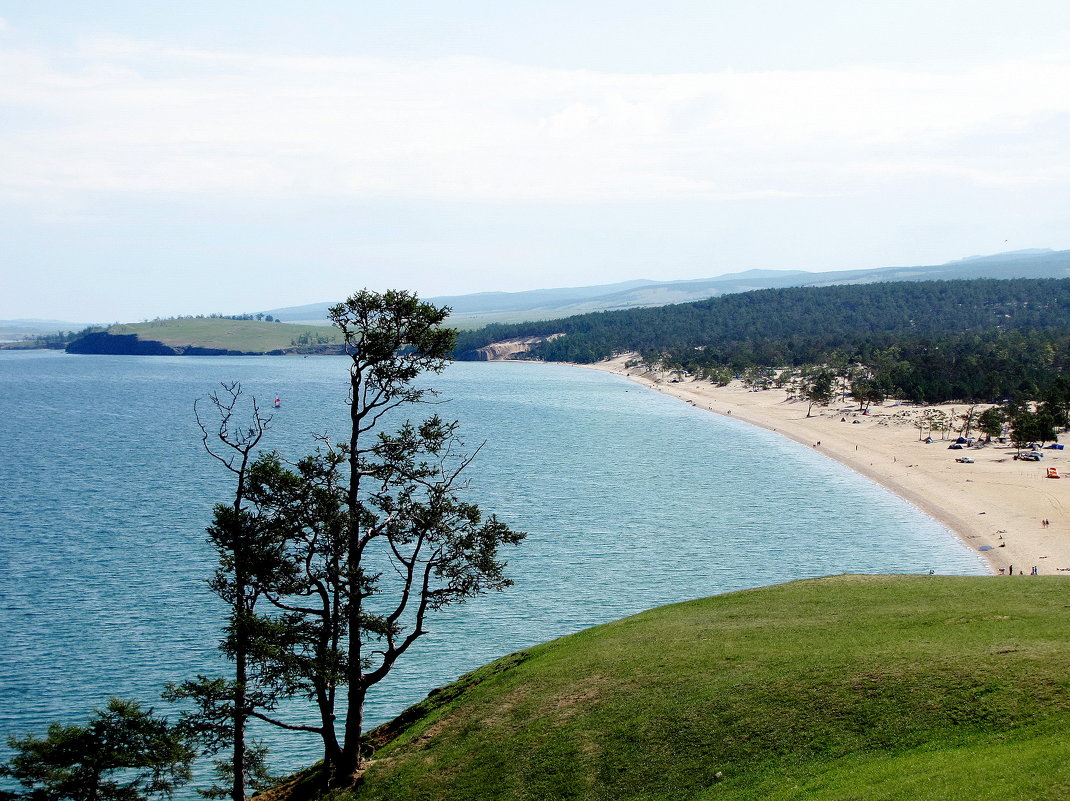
369 536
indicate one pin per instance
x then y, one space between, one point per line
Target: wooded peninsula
931 341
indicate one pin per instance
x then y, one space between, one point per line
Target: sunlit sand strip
1007 510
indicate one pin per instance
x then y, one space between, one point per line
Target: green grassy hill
866 688
214 332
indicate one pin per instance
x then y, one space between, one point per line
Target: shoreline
996 505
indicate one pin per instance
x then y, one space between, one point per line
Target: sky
192 157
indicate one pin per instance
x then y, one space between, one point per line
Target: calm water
631 500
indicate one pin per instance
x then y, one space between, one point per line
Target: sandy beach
996 505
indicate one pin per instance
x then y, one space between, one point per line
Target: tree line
258 316
929 341
1023 419
331 567
60 339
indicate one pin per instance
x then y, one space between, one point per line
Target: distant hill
542 304
208 336
481 304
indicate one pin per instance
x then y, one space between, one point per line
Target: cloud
130 116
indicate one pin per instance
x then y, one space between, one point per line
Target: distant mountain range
14 330
475 310
487 307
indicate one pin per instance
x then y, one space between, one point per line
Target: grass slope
214 332
849 687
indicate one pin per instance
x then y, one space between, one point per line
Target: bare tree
223 707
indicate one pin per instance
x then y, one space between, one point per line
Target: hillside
850 687
483 308
207 336
937 340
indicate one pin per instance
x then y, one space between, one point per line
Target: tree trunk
349 760
241 670
238 790
331 751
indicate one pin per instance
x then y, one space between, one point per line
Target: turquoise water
631 500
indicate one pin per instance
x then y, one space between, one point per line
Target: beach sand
996 502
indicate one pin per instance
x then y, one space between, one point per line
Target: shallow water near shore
630 499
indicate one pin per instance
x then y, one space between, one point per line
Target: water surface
631 500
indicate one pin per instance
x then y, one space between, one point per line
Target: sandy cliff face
510 348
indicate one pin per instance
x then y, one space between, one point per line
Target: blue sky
180 158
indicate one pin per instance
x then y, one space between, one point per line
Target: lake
630 499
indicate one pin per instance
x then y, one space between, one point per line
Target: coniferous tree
818 389
124 753
991 422
361 542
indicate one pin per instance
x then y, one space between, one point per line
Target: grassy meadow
255 335
852 687
215 332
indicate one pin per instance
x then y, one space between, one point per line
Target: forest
932 341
